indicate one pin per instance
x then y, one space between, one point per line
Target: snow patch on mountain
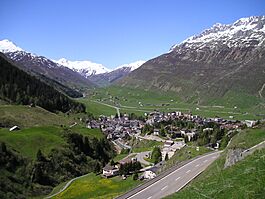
248 31
85 68
8 46
132 66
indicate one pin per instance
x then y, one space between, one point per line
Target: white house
109 171
250 123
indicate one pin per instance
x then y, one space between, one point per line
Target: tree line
17 86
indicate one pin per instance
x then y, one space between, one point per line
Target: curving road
140 157
174 181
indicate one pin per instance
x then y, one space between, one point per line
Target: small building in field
14 128
250 123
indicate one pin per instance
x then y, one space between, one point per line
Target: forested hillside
18 87
22 177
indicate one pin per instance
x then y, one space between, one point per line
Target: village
173 130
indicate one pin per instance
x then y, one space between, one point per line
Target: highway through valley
173 181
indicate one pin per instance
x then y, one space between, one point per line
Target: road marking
205 161
177 178
197 165
173 173
163 188
149 197
188 171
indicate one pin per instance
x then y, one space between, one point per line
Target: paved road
140 157
175 180
253 149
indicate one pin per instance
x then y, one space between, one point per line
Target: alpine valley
189 123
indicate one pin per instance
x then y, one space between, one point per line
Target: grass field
29 140
119 157
248 138
144 145
94 186
245 179
96 108
140 101
88 132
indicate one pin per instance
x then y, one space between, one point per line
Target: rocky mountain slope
221 60
56 75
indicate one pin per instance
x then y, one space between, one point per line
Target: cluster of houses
115 128
148 172
118 129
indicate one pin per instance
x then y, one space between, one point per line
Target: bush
135 176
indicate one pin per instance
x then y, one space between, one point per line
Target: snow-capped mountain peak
248 31
8 46
132 66
85 68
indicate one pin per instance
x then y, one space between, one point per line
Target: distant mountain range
120 72
58 76
99 74
77 75
221 61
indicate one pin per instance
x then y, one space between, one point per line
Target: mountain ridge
93 72
63 78
197 68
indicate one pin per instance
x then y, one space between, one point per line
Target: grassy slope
88 132
25 116
248 138
40 129
145 145
93 186
28 141
245 179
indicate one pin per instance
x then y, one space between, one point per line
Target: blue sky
113 32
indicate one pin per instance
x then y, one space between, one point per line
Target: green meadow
236 106
94 186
